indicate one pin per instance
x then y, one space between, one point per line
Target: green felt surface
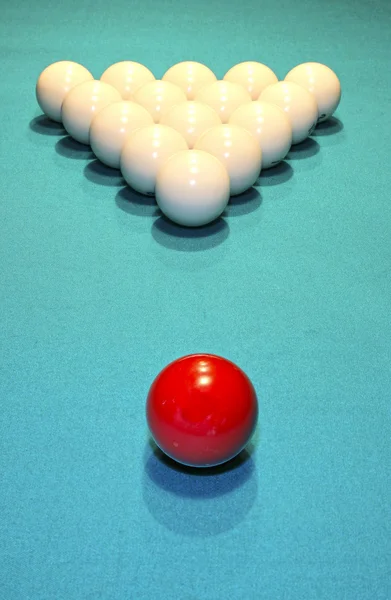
98 293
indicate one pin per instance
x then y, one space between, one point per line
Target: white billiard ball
55 82
145 151
238 151
127 77
269 124
111 127
322 82
190 77
299 105
158 96
254 76
81 105
191 119
192 188
224 97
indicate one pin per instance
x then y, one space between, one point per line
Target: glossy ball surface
190 76
202 410
127 77
55 82
298 104
269 124
322 82
192 188
253 76
82 104
238 151
224 97
191 119
111 128
145 151
158 96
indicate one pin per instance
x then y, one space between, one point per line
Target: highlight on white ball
145 151
55 82
192 188
127 77
238 151
112 126
191 119
190 76
81 105
270 126
224 97
299 105
322 82
158 96
253 76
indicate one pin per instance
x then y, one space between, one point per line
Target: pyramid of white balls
189 139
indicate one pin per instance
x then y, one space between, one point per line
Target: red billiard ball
202 410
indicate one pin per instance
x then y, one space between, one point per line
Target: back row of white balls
128 76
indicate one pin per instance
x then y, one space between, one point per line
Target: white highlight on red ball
81 105
191 119
55 82
158 96
253 76
224 97
192 188
111 127
190 76
299 105
145 151
127 77
238 151
322 82
270 126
